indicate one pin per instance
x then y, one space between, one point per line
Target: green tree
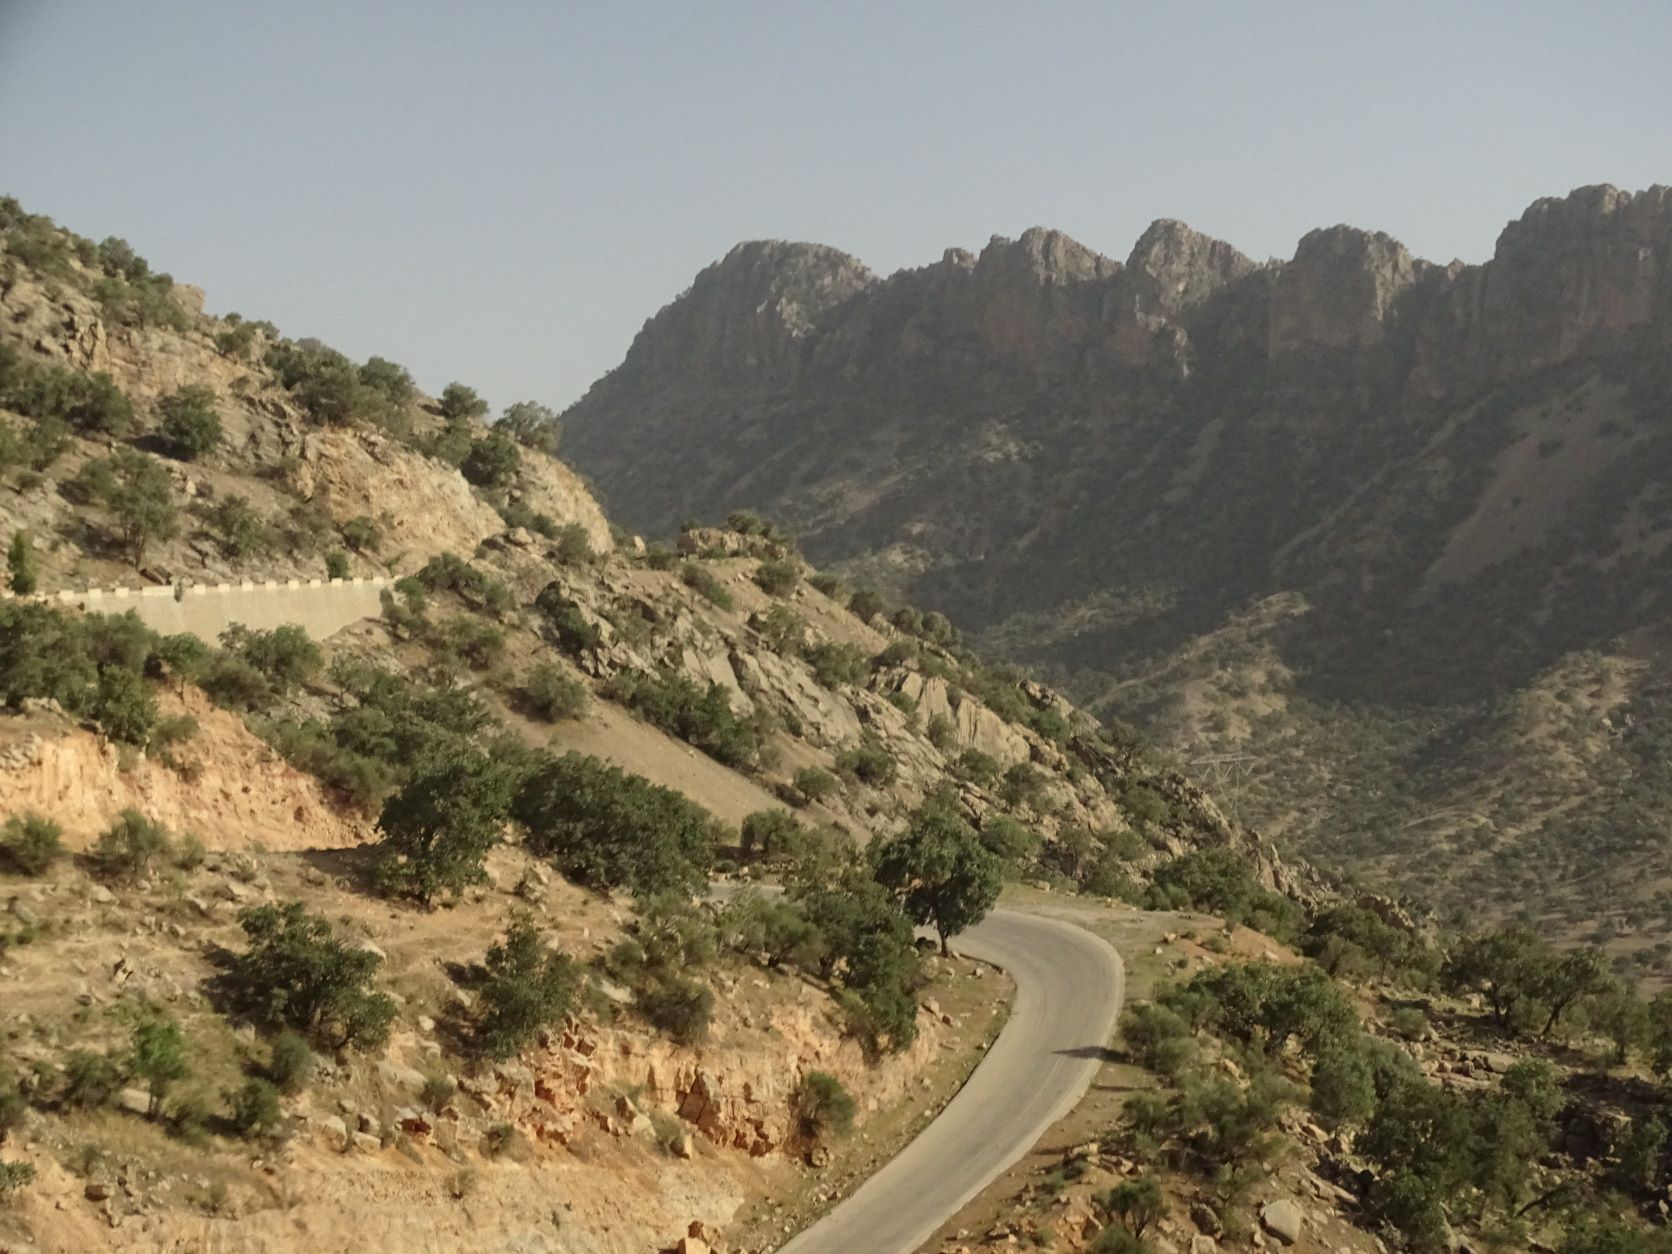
940 871
190 427
20 565
1508 966
158 1057
605 828
297 973
528 986
531 425
461 402
492 461
769 831
141 502
439 826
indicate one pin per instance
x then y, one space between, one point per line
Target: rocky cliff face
1464 470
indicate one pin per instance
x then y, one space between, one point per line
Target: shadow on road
1100 1052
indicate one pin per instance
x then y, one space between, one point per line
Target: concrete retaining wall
321 607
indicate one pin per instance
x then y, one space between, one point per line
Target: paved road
1069 986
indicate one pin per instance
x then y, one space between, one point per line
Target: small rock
366 1143
134 1101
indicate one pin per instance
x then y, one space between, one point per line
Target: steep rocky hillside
1426 489
505 1015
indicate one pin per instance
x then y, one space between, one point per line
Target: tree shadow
1102 1053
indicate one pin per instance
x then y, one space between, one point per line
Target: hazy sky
503 192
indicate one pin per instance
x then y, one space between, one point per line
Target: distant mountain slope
1464 470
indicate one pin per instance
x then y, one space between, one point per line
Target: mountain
1349 518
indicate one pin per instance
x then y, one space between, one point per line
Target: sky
502 192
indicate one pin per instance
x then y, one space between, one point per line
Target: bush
870 763
814 783
977 768
241 530
140 500
703 581
362 534
572 547
296 973
492 461
942 732
822 1105
699 716
129 846
604 828
285 656
678 1006
552 694
777 577
769 831
837 664
829 585
190 426
866 603
528 986
336 564
254 1108
21 572
459 401
290 1062
573 632
90 1080
30 844
14 1177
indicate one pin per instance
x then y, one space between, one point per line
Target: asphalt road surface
1069 986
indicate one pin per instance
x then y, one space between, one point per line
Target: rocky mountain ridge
1465 471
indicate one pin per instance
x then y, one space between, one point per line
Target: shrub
869 763
678 1006
866 603
290 1062
297 973
814 783
21 573
551 694
30 844
254 1108
572 547
459 401
572 630
528 986
14 1177
1009 840
605 828
241 530
336 564
190 427
827 584
492 461
129 846
777 577
700 716
703 581
90 1080
769 831
822 1105
977 768
362 534
837 664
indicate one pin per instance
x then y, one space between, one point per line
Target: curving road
1069 986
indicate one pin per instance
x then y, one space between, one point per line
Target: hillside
494 805
1355 518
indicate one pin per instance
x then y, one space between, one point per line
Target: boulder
1283 1219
